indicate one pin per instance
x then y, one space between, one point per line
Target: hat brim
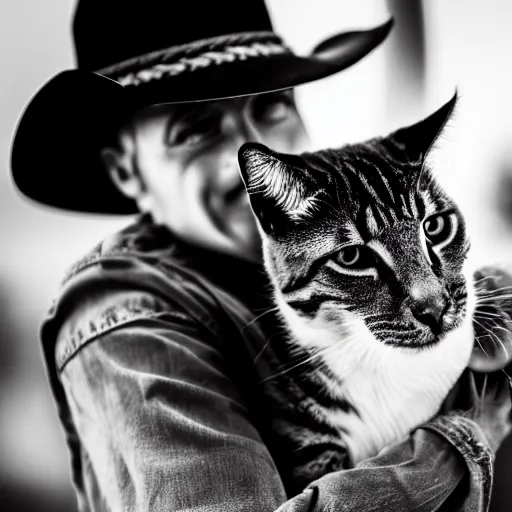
55 156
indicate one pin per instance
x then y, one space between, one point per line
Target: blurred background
436 46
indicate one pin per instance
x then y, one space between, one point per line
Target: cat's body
392 393
369 261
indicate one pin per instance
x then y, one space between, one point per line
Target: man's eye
273 108
194 133
440 229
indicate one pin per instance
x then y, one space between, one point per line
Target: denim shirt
154 352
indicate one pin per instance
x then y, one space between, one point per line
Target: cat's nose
429 306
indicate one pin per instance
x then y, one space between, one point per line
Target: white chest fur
402 393
394 390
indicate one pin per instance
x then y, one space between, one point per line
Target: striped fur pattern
369 261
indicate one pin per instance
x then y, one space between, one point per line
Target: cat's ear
280 187
418 139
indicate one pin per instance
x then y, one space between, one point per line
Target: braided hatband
199 54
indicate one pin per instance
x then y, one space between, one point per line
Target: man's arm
163 428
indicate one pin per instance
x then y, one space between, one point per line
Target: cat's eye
349 256
440 229
355 257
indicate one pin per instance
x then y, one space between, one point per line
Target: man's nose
237 130
428 304
245 130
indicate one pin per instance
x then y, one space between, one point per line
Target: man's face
187 160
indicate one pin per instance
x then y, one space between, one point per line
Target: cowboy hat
166 52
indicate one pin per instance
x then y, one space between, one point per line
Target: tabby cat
368 257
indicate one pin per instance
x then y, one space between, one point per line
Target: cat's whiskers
322 352
284 369
492 296
496 326
502 345
477 339
476 321
485 278
265 346
489 320
348 344
492 290
487 314
260 316
506 331
493 337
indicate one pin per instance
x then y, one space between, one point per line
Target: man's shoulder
142 240
131 276
142 259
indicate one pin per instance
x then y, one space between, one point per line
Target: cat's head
364 233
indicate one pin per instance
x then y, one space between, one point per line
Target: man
152 344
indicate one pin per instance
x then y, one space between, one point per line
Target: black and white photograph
257 256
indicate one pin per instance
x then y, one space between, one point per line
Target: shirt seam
73 344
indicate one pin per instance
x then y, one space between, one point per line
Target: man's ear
119 163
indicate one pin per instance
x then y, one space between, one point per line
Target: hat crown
107 32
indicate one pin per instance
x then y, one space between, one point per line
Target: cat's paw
492 320
492 406
486 399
